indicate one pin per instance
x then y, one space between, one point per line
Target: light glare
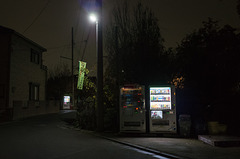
93 17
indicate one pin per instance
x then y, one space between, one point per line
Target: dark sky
52 28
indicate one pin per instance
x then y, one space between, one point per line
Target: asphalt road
45 137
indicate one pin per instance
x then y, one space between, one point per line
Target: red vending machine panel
132 109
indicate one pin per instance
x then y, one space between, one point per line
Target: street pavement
48 137
179 147
171 147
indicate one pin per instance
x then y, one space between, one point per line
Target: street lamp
93 17
99 48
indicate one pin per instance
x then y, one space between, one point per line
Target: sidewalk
179 147
171 147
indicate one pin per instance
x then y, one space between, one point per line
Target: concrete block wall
24 109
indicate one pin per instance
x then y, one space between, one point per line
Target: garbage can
184 125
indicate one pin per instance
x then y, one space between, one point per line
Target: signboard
81 73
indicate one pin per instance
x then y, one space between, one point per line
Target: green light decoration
81 73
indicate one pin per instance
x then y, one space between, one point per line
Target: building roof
5 29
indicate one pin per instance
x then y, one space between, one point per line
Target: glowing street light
93 17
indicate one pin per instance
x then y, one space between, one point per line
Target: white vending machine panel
162 109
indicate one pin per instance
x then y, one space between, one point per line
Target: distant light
93 17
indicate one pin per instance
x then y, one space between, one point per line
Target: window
35 56
33 91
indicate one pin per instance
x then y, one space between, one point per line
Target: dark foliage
209 61
58 83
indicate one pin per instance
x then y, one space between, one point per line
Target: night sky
49 23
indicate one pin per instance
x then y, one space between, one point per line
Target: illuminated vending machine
132 109
66 102
162 109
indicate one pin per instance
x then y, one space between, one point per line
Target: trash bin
184 125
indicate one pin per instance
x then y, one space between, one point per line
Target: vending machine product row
161 109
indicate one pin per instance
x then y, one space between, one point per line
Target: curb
150 150
141 148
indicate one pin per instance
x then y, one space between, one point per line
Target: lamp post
99 48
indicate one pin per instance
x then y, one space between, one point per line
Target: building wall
45 107
4 65
18 73
23 71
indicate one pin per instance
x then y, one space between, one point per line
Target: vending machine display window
66 102
66 99
160 98
132 97
156 114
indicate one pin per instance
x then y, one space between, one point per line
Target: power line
91 3
35 19
86 42
58 47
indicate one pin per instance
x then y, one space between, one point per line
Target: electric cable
86 42
35 19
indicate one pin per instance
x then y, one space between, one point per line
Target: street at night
119 79
47 137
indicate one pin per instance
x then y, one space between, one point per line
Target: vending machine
132 109
162 112
66 102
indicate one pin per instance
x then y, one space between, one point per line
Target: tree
59 82
86 116
238 7
208 58
135 53
134 43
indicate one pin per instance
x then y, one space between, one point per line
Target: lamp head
93 17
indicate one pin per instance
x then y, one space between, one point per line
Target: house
23 77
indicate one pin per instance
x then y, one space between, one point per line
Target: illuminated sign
66 99
81 73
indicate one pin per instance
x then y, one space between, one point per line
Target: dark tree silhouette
238 7
209 60
59 82
135 46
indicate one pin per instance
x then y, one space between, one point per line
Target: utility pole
100 107
73 99
118 75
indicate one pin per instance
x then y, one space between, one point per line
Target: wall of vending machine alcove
148 109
